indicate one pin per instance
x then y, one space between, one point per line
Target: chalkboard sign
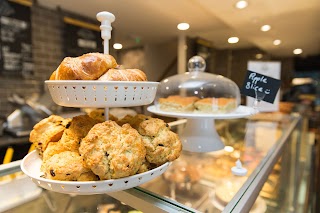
81 37
260 86
16 41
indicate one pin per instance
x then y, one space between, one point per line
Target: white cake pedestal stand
200 134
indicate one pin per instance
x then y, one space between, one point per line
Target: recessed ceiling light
265 28
233 40
277 42
241 4
117 46
259 56
297 51
183 26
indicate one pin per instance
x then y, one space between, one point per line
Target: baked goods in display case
97 152
83 148
227 189
197 91
95 66
200 97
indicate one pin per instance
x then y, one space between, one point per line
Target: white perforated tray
31 164
102 94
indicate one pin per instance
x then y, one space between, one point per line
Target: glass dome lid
197 92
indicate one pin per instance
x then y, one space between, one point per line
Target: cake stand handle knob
238 169
106 19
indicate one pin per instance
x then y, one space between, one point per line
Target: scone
78 129
134 121
99 115
112 151
67 166
177 103
161 143
52 149
48 130
215 105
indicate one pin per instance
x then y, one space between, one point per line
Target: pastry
134 121
67 166
177 103
227 189
112 151
124 75
53 75
99 115
162 145
48 130
215 105
89 66
78 129
52 149
182 173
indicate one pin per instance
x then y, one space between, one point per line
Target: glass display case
273 148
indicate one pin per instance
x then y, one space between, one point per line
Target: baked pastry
182 173
178 103
124 75
53 75
227 189
52 149
162 145
99 115
112 151
215 105
48 130
76 131
67 166
134 121
89 66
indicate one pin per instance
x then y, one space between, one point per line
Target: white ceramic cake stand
200 134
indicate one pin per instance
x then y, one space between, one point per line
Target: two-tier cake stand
96 94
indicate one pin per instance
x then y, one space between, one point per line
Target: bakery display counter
269 147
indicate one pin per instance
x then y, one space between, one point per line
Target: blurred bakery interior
159 37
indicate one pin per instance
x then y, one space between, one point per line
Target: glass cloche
197 92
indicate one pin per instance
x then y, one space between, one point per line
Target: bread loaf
89 66
123 75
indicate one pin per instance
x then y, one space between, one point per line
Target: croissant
89 66
124 75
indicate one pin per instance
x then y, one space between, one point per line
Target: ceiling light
241 4
265 28
117 46
183 26
277 42
233 40
259 56
297 51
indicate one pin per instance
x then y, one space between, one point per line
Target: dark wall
47 54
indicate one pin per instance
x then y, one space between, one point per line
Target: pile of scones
89 148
